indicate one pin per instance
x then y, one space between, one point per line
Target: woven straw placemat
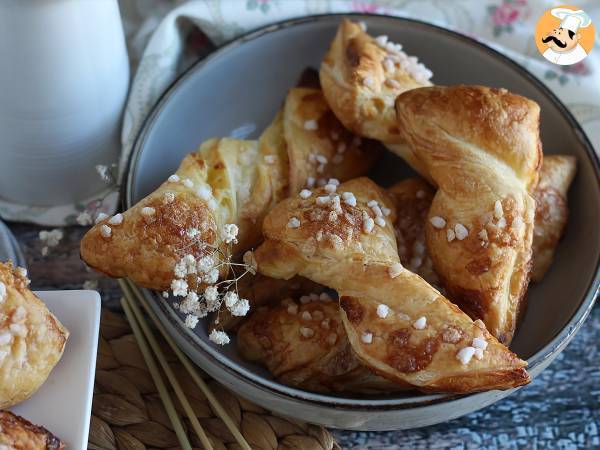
127 412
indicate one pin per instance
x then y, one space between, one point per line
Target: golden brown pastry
259 182
260 290
32 340
398 325
227 181
271 184
304 344
20 434
361 76
186 213
481 146
319 146
333 223
412 198
551 210
424 340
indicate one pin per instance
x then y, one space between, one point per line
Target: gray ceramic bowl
237 90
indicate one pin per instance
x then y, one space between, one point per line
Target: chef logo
565 35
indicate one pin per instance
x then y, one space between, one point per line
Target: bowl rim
205 350
15 252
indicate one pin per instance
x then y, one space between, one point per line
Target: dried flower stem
156 377
216 406
197 279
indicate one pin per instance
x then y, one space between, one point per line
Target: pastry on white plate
32 340
18 433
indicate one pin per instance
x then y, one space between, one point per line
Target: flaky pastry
327 226
227 181
211 188
260 290
481 146
32 340
319 146
20 434
305 345
361 76
398 325
551 210
412 198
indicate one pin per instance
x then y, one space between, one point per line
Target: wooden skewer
219 410
167 369
156 377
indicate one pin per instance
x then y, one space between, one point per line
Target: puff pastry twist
361 78
227 181
551 212
32 340
413 198
397 324
481 146
305 345
474 143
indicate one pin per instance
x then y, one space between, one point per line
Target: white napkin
506 25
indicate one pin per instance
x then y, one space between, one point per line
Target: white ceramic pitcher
64 75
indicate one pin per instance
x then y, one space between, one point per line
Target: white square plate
64 402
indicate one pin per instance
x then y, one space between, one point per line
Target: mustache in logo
556 41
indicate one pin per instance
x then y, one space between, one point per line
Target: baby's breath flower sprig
84 218
106 173
196 279
50 239
92 212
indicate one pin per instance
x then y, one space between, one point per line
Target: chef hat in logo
572 20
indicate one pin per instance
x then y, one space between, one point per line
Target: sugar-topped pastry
331 227
551 210
413 199
227 183
187 214
418 337
319 146
304 344
32 340
481 147
361 77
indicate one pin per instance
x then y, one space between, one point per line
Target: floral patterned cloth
163 38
